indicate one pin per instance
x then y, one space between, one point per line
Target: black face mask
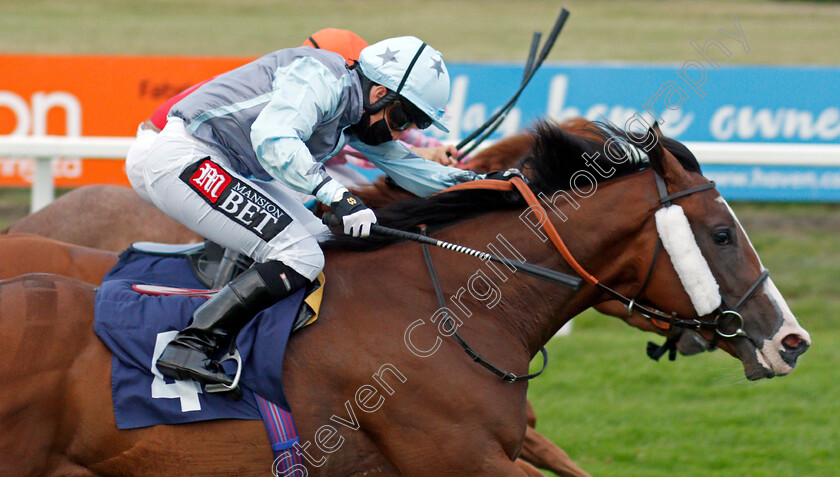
372 134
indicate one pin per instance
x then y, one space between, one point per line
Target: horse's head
712 274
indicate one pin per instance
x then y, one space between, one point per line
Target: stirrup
234 386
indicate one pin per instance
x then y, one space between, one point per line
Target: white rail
45 148
768 154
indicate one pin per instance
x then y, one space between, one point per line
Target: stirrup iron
221 387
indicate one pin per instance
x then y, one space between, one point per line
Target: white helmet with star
412 69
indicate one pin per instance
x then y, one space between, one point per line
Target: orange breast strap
531 200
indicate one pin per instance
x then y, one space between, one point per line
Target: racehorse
439 412
111 218
90 265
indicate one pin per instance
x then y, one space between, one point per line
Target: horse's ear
662 161
655 129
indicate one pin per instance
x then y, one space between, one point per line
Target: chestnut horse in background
446 414
104 217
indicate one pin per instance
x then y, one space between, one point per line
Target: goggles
402 115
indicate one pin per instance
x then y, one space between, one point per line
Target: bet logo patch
237 199
209 180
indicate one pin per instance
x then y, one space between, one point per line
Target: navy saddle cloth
136 327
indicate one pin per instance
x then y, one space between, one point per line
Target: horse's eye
722 237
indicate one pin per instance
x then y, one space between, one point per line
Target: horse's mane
556 155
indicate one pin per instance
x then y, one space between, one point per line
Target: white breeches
263 220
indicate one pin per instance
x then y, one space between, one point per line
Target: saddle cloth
136 327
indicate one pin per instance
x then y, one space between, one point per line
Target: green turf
616 412
14 204
486 30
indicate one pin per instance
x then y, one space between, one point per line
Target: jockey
231 150
347 44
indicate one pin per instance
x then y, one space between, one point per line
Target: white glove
358 223
355 216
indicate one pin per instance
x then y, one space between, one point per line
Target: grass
14 204
484 30
615 411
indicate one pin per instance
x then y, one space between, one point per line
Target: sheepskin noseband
691 267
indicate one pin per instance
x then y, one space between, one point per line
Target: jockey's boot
192 353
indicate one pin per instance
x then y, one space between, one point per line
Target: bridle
724 318
723 315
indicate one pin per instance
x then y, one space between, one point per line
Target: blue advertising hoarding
732 103
693 102
776 183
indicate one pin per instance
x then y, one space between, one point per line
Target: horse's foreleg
540 451
529 469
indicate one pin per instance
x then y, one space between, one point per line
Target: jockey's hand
355 216
505 175
446 155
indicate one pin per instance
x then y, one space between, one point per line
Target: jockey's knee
304 257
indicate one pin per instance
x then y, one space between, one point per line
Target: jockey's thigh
221 205
134 160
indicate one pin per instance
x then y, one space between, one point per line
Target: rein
505 375
724 314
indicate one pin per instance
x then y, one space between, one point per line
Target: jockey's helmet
344 42
411 69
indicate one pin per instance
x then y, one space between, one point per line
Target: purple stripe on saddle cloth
281 434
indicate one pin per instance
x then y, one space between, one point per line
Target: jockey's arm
446 155
429 148
410 171
300 99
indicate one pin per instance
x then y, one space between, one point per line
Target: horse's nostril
792 347
793 342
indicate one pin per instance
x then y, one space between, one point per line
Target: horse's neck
605 235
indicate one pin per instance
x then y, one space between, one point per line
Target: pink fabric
159 116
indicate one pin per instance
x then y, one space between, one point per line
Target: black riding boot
193 352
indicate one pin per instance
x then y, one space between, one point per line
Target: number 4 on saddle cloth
136 321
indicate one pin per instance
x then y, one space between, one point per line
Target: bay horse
18 252
439 412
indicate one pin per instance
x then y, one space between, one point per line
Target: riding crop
533 270
531 66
